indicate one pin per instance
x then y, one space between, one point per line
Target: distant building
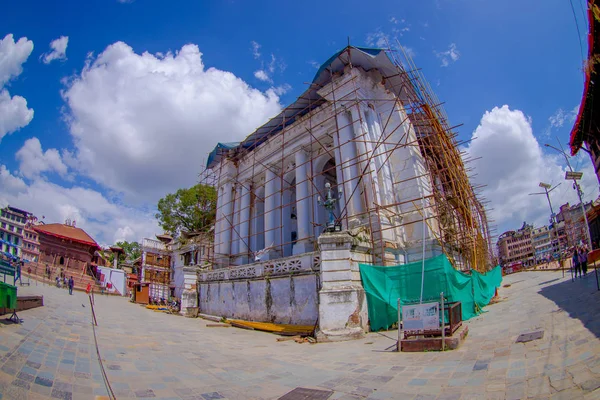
30 247
156 267
541 240
558 233
12 225
66 247
516 246
575 229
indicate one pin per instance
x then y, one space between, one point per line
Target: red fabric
88 289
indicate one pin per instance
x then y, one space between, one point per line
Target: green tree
132 250
191 210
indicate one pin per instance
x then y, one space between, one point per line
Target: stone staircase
81 280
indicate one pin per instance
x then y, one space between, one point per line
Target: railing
300 264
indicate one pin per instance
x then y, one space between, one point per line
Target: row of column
234 219
354 155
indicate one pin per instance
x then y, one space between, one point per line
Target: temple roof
63 231
587 124
364 57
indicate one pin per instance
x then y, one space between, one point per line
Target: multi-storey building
12 225
541 240
558 233
575 228
30 248
156 267
516 246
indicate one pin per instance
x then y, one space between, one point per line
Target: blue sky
102 129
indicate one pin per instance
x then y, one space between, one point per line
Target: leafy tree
132 250
191 210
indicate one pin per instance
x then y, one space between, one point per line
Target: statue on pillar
329 205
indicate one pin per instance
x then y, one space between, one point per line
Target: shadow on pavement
580 299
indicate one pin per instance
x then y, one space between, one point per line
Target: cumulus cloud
262 75
509 160
33 160
59 50
449 56
104 220
12 57
143 124
14 113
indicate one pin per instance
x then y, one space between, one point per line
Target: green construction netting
8 296
385 285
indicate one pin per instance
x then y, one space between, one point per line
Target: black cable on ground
111 394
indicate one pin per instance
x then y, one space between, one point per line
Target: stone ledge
435 343
340 335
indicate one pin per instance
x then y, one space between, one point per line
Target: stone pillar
235 227
272 214
244 227
189 295
342 301
225 223
350 169
303 200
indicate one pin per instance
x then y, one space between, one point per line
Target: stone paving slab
146 354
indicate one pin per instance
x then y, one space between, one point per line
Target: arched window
62 260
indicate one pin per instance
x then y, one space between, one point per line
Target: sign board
573 175
7 270
419 317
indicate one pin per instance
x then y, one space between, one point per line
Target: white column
303 199
226 222
244 222
235 228
272 213
350 169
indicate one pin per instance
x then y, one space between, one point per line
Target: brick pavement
154 355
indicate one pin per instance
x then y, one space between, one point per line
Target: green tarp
8 296
385 285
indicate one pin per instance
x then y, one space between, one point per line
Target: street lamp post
575 176
547 189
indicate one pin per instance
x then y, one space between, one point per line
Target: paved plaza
150 354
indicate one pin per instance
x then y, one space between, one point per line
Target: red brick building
64 246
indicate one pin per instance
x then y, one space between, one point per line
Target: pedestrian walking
64 279
71 284
583 257
57 282
576 266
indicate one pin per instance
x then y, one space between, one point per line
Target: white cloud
59 50
9 182
262 75
281 89
255 49
33 160
393 20
558 119
142 125
377 39
12 57
14 113
314 64
509 160
410 52
104 220
449 56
